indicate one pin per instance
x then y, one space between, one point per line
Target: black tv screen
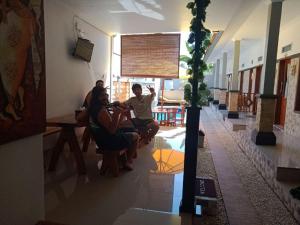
84 49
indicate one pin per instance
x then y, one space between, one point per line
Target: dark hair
136 86
98 81
95 104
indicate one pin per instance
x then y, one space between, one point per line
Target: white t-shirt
141 107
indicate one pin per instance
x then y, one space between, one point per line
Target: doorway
281 92
256 87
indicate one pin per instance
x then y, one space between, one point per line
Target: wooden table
67 124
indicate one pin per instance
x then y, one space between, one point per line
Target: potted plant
189 63
198 42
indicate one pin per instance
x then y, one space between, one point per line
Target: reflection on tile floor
154 185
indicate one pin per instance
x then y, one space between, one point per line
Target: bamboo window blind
150 55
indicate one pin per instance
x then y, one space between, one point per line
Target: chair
171 116
182 115
111 161
163 118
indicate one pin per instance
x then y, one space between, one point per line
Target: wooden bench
67 124
49 131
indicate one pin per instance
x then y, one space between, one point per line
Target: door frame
280 109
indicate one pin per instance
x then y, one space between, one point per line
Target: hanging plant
196 70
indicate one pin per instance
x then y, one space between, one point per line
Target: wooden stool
111 161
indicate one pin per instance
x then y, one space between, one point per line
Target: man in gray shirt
141 105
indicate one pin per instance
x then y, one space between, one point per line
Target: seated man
141 105
87 100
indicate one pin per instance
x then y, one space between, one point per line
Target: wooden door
256 87
241 84
246 79
241 81
257 79
281 91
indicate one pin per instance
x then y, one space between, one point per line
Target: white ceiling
239 19
150 16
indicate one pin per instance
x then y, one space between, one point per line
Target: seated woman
105 126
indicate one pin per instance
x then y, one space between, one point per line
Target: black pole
192 129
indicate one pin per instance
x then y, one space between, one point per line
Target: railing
247 102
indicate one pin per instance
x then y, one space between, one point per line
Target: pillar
212 80
263 133
216 83
223 88
234 86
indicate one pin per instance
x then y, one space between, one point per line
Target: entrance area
281 90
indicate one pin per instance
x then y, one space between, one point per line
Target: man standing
141 105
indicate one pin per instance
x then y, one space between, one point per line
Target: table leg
72 140
57 150
86 139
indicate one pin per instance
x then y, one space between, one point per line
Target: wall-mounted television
84 49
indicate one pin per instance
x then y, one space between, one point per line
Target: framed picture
22 69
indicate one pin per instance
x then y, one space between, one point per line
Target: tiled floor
286 153
153 187
151 193
269 207
238 206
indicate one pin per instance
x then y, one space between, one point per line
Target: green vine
203 35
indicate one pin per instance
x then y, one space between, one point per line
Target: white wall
290 35
292 120
67 82
229 63
250 51
69 79
22 182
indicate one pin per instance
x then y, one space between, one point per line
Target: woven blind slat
150 55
